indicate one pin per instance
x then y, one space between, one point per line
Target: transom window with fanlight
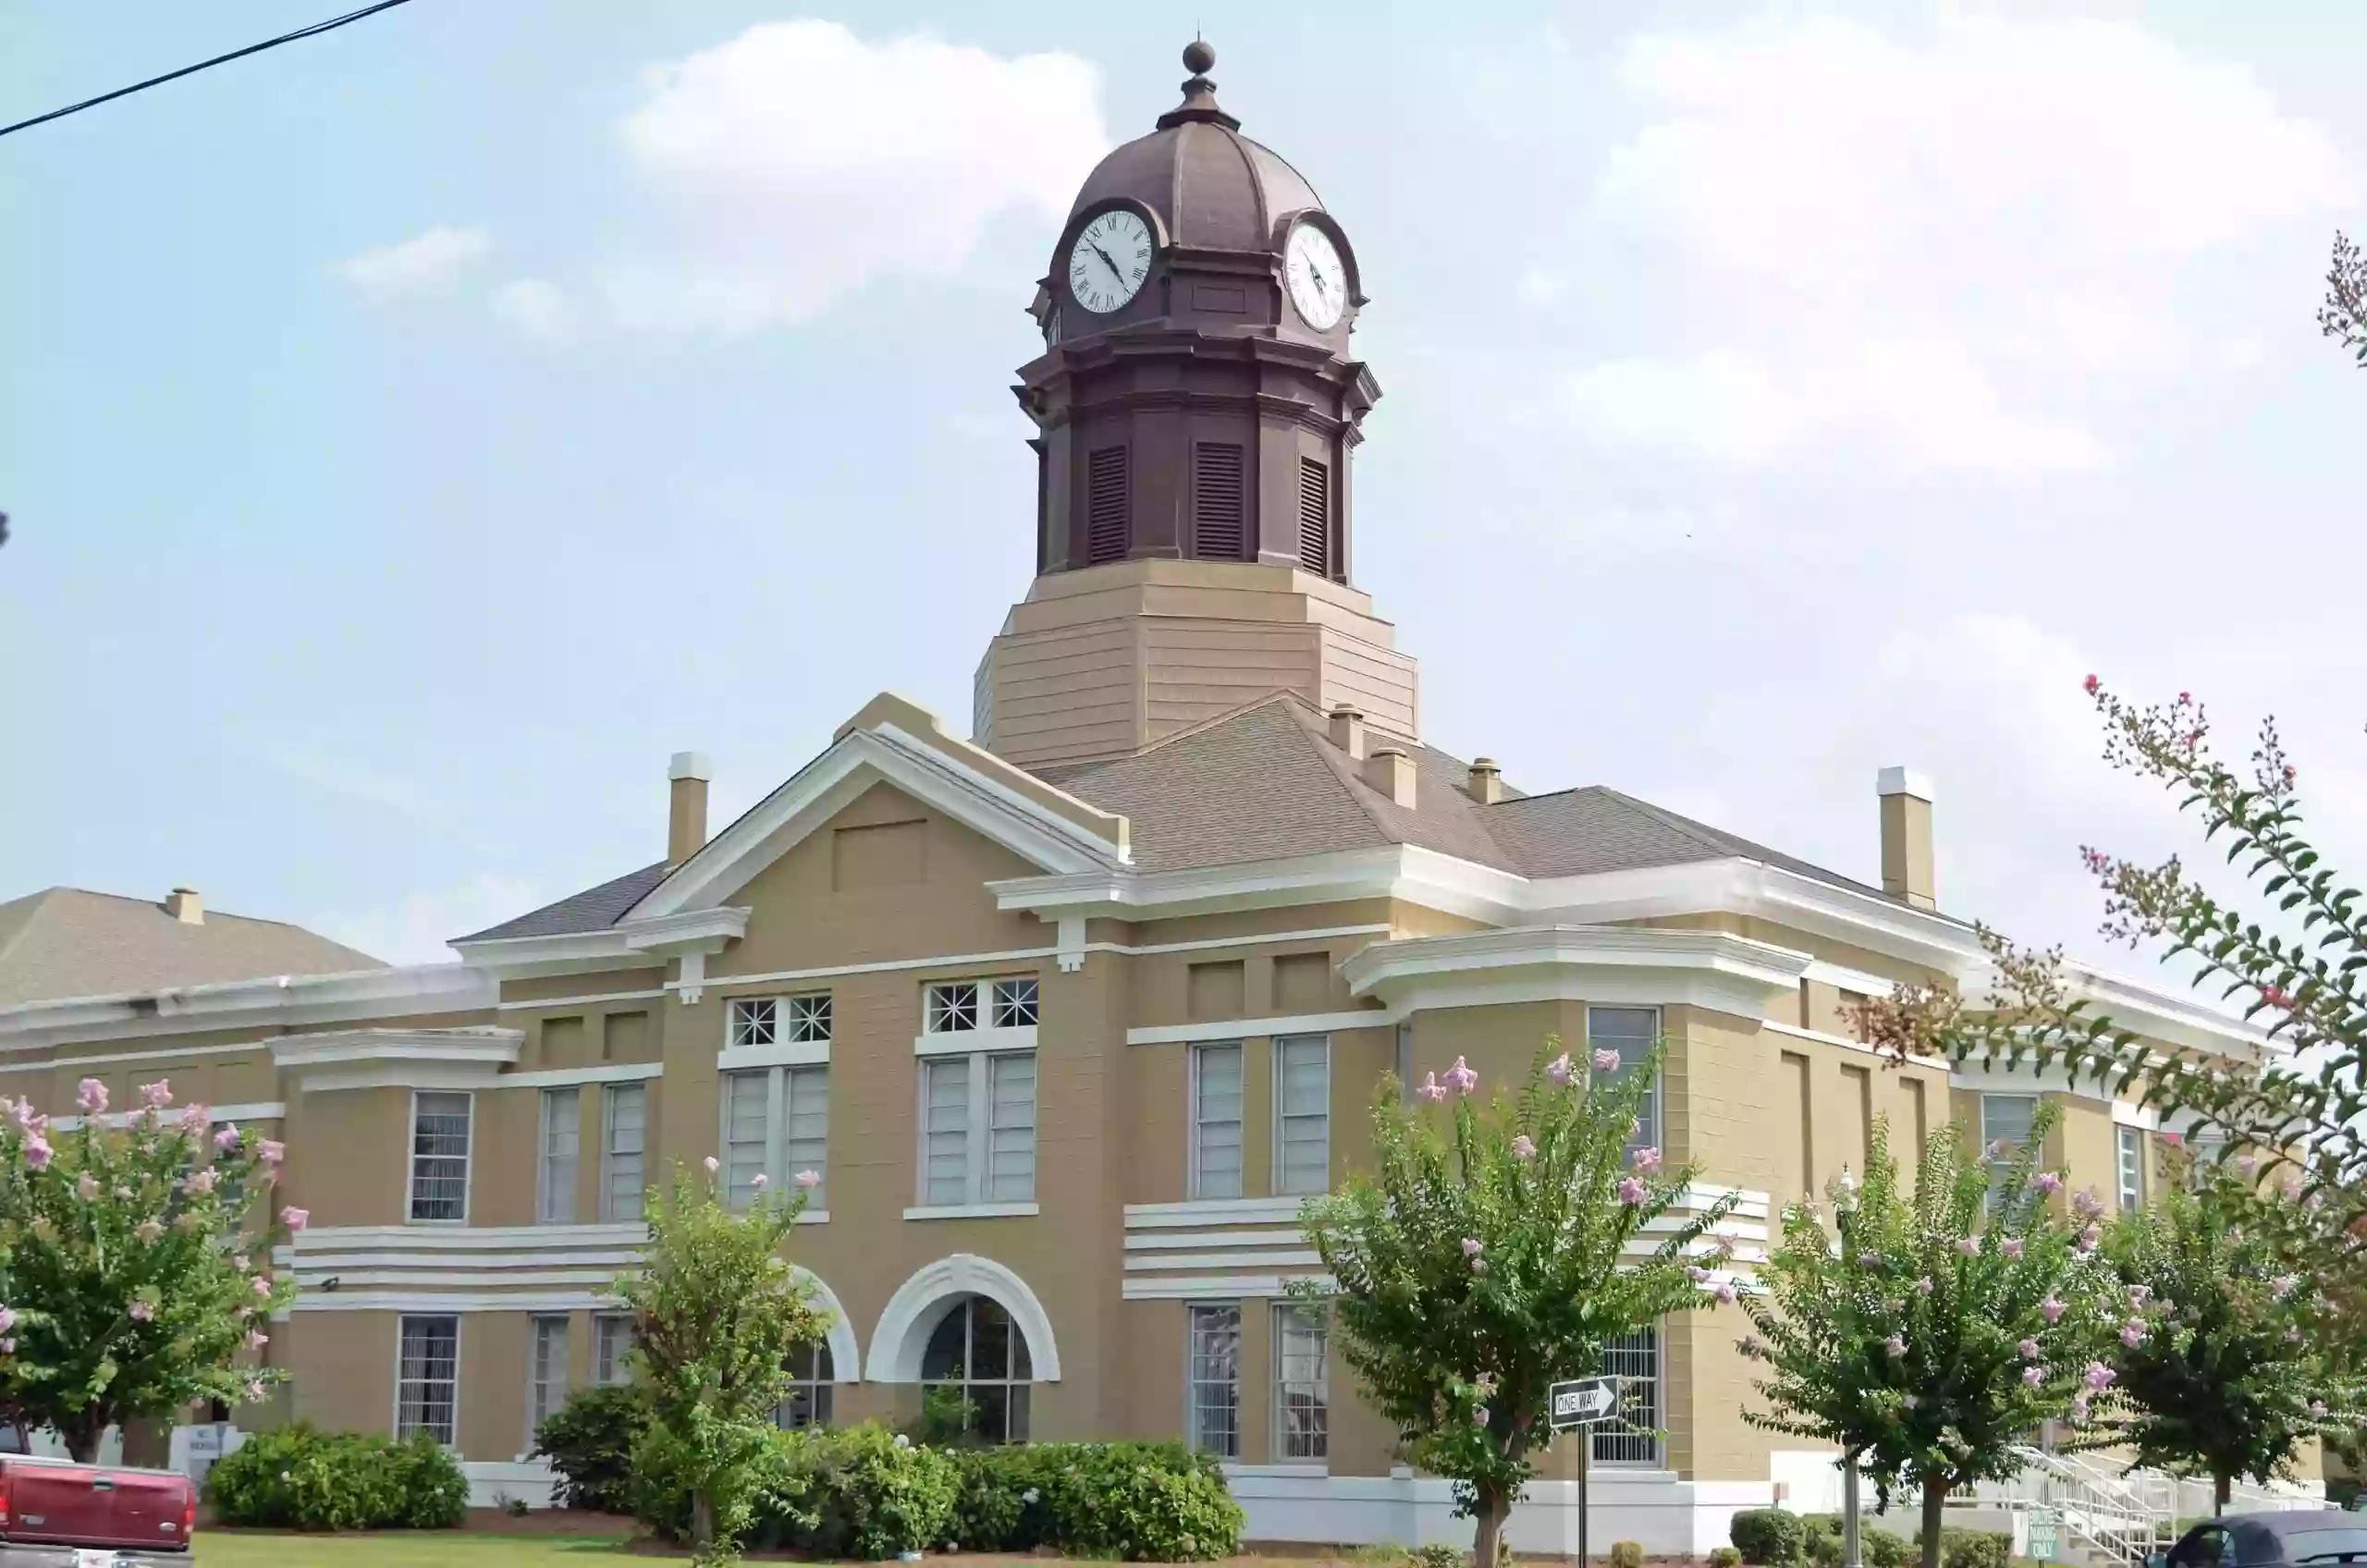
955 1006
780 1020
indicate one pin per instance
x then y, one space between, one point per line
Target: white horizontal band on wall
583 1001
1213 1211
1299 1259
255 1110
475 1238
563 1077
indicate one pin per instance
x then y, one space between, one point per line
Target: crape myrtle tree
2223 1359
1927 1336
717 1310
135 1263
1485 1258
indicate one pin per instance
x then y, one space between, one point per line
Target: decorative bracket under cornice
687 936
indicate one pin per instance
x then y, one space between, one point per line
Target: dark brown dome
1211 187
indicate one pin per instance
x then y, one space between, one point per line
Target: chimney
185 905
1487 783
1348 730
1906 836
686 814
1390 771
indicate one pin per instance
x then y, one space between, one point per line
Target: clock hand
1107 262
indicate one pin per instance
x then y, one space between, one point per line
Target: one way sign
1583 1403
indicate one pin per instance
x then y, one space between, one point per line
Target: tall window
611 1337
1632 1437
1303 1114
2132 1167
562 1138
439 1156
808 1403
780 1020
1216 1121
980 1356
981 1004
776 1124
545 1371
2005 1123
1302 1407
978 1129
1215 1375
623 1130
1631 1032
428 1378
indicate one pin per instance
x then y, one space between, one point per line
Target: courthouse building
1070 1015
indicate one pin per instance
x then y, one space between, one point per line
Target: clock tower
1197 405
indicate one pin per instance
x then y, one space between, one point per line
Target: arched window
809 1401
977 1352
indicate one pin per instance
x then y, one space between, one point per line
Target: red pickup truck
56 1514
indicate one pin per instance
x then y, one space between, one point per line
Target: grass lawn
425 1548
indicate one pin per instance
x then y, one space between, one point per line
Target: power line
313 32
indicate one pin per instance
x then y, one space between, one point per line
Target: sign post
1578 1407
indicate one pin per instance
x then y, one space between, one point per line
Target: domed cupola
1197 407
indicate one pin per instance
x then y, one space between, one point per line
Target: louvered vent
1105 506
1216 501
1315 516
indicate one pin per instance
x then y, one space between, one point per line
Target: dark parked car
2317 1537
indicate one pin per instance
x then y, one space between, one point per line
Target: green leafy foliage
298 1478
1768 1534
133 1285
2222 1369
1480 1262
868 1492
717 1311
1152 1501
1626 1554
1925 1336
589 1441
1437 1556
1724 1557
1975 1549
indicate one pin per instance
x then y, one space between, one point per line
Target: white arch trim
846 1356
913 1311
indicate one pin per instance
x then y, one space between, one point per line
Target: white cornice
277 1001
1598 964
426 1058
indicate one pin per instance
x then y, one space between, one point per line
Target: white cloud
414 929
425 264
537 308
798 160
1931 241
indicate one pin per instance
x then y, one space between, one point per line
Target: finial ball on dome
1199 56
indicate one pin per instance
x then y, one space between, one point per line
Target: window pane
1302 1416
1010 1148
2007 1118
1216 1134
621 1185
945 1172
1014 1006
547 1370
808 1146
1215 1355
439 1169
611 1337
1632 1437
426 1376
1303 1094
2132 1167
809 1019
746 1134
562 1139
951 1008
947 1356
1631 1032
754 1020
990 1337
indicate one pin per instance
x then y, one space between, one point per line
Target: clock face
1109 260
1319 283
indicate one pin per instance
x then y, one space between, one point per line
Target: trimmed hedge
589 1441
1766 1536
299 1479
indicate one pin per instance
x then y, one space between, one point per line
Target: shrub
1140 1502
1767 1535
1626 1554
1724 1557
868 1492
1882 1549
1976 1548
1436 1555
302 1479
589 1441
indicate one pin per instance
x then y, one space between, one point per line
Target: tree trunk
1486 1540
82 1434
703 1521
2220 1487
1936 1507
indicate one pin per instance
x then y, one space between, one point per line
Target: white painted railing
2127 1516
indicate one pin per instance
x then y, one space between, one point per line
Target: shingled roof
65 942
1265 782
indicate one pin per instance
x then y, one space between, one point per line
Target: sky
414 436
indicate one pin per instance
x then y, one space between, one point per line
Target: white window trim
977 1042
781 1001
1240 1375
776 1134
1652 1136
1192 1116
460 1332
411 1162
594 1368
1280 1312
1274 1179
608 1155
543 1102
2128 1181
978 1137
567 1389
748 1058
